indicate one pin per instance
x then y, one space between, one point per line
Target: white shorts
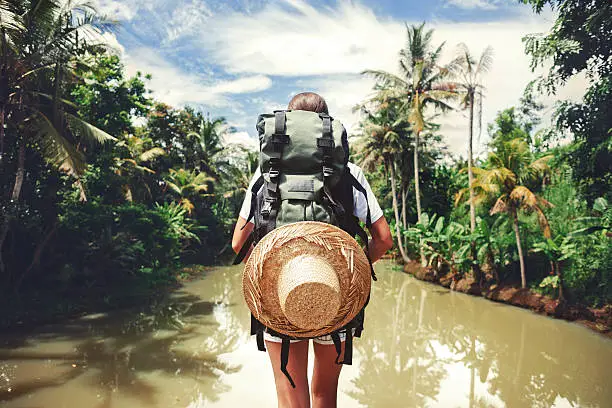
325 340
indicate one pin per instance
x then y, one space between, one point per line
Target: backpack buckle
266 210
273 173
327 171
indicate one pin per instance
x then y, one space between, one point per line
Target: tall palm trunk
515 226
471 165
400 244
417 189
475 267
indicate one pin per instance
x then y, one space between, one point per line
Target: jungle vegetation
102 185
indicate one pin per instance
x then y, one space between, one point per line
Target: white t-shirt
361 207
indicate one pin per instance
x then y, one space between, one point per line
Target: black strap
254 190
336 339
258 330
326 144
356 228
364 237
348 347
278 139
245 249
337 208
359 327
327 126
357 185
259 336
285 359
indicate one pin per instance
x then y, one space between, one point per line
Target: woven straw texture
271 262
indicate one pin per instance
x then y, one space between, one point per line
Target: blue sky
239 58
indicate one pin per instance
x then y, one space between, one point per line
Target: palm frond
87 132
524 197
387 78
56 148
485 62
174 187
152 154
500 206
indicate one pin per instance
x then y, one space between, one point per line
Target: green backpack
304 177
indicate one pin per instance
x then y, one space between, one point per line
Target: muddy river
423 346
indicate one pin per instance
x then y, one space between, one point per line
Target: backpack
304 177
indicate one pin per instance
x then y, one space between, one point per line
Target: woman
326 371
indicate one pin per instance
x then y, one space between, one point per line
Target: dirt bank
599 320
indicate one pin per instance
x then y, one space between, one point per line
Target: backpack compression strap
278 139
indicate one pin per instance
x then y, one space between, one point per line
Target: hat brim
338 248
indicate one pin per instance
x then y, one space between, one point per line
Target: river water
423 346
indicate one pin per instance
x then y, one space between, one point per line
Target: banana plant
557 250
492 245
442 243
602 222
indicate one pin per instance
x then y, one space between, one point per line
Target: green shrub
107 243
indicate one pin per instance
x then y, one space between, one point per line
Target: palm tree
207 154
40 42
510 173
422 84
469 71
135 167
383 138
188 185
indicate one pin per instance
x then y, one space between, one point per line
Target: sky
240 58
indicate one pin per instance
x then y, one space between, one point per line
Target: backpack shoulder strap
355 228
247 244
360 188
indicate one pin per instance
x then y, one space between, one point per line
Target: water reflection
122 354
424 346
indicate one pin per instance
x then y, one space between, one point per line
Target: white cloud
242 85
342 93
473 4
177 88
111 40
240 139
302 40
120 10
186 19
332 46
324 49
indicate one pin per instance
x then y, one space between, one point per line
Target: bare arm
241 235
380 243
381 240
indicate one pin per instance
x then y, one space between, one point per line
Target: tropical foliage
102 184
520 214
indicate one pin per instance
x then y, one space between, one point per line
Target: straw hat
306 279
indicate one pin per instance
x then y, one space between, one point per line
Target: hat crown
309 291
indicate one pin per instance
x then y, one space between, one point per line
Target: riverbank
53 303
599 320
